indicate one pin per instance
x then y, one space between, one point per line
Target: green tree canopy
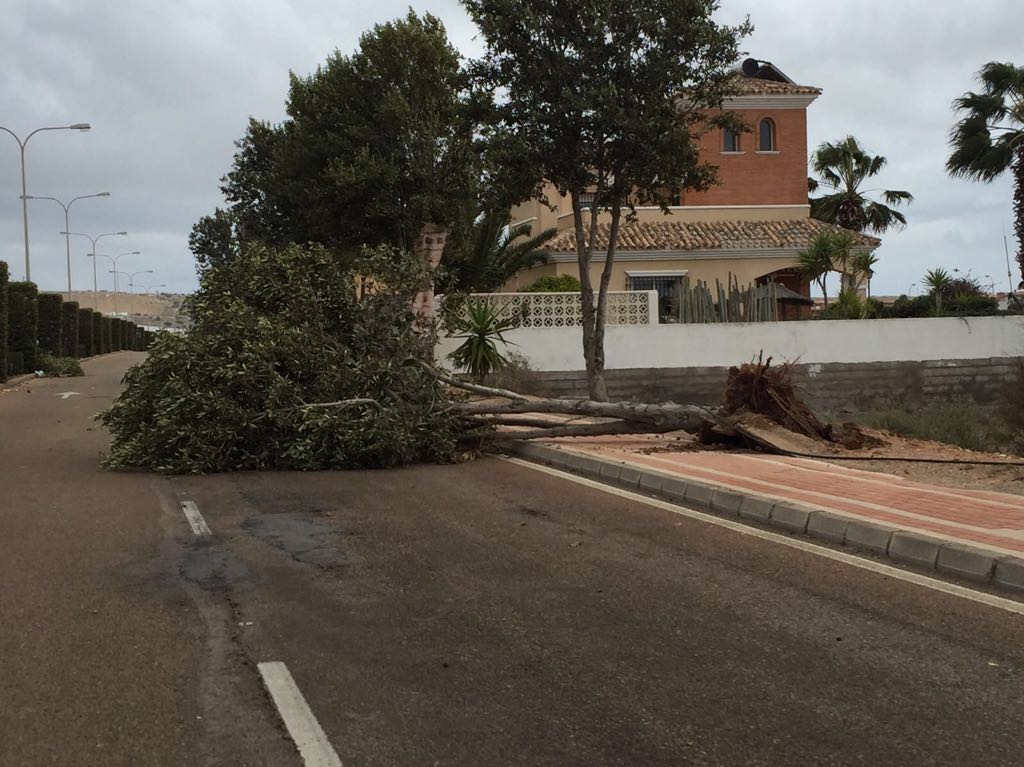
605 97
843 169
989 138
375 144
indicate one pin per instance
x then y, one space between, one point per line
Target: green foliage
553 283
608 99
276 371
3 320
482 329
59 367
69 328
23 323
106 335
828 251
85 335
50 333
97 332
844 167
849 306
918 306
989 138
494 253
375 144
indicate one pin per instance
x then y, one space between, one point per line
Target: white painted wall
678 346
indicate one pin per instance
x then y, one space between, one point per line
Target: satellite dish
750 67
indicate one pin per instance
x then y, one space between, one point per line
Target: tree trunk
429 247
588 312
1018 210
598 386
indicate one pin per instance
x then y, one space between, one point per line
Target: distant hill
161 310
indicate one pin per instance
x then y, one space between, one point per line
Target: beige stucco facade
745 267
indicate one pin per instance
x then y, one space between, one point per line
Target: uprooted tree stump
770 391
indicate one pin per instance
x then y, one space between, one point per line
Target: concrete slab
759 509
790 517
869 535
915 549
828 527
966 562
1009 573
726 501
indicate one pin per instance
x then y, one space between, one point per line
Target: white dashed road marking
195 519
304 729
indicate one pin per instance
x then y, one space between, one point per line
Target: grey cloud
169 86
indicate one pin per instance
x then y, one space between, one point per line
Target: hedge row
32 323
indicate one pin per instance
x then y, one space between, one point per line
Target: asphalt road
477 614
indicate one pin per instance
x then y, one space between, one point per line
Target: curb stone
923 551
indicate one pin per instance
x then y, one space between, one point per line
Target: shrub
23 323
97 332
69 328
278 334
515 375
59 367
960 422
553 283
107 326
50 323
3 321
86 339
482 330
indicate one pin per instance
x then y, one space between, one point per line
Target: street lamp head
123 234
80 126
102 194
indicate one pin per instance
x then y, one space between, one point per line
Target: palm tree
843 168
818 260
989 139
938 281
862 267
495 252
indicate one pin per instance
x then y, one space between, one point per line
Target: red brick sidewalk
995 520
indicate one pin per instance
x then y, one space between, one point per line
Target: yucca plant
482 328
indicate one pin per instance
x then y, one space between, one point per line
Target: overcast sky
168 86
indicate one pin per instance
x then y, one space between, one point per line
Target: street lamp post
131 288
67 223
24 187
94 240
113 261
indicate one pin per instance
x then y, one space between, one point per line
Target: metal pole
67 243
95 290
24 209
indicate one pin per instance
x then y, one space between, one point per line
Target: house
750 226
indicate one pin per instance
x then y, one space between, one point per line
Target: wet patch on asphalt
210 566
305 540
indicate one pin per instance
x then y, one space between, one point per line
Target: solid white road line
865 564
195 519
304 729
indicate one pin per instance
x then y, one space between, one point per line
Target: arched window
730 140
766 136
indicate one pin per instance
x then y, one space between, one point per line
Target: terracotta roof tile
707 235
756 86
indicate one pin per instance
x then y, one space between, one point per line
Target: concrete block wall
834 386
